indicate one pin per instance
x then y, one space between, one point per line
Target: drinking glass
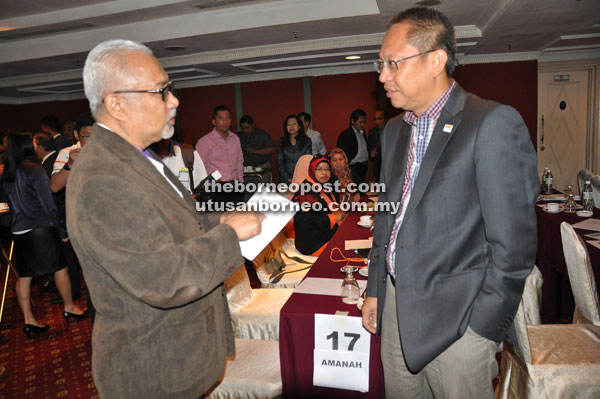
350 290
570 204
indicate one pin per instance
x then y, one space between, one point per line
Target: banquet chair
551 361
581 276
300 172
254 372
281 250
254 312
582 176
595 180
531 300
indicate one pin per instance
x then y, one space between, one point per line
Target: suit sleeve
507 185
283 175
128 236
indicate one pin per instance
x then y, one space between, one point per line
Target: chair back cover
239 291
580 274
595 180
532 297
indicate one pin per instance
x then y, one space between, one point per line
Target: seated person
314 228
342 173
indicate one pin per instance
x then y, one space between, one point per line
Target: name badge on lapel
448 128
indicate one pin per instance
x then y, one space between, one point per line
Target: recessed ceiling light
428 3
175 47
353 57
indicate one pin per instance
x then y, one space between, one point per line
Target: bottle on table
548 182
587 197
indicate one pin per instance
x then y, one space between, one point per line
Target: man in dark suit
51 124
354 143
45 150
447 271
374 140
154 265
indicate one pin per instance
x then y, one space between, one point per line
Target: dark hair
386 115
430 30
84 120
19 147
300 138
52 122
220 108
305 115
45 140
356 114
246 119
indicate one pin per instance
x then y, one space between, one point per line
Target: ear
115 106
76 134
437 62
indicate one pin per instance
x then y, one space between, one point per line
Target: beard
169 130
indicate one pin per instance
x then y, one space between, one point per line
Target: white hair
103 65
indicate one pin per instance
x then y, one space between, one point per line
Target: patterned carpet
54 364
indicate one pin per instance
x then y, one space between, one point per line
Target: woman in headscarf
35 229
343 174
291 146
316 224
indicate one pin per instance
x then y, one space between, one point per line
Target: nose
384 74
173 102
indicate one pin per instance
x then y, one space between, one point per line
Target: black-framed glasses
392 65
164 92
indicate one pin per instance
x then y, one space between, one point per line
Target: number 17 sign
341 354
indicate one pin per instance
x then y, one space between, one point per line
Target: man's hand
72 156
369 314
245 223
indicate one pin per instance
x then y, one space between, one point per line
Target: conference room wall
333 97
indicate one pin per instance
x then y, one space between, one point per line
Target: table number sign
341 354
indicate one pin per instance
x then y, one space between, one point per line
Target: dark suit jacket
48 164
468 238
347 142
61 142
154 267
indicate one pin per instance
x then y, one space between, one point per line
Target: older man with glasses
154 265
447 271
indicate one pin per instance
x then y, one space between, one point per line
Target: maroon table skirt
297 322
557 296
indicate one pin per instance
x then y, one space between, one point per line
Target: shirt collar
435 110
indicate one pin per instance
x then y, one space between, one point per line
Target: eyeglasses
392 65
164 92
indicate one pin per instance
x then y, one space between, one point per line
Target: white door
563 107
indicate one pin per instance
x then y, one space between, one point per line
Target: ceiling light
175 47
353 57
428 3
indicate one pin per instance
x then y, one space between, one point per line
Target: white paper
267 203
341 353
358 244
325 286
588 224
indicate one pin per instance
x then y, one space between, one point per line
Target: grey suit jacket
154 267
468 239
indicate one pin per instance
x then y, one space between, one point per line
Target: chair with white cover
595 180
551 361
581 276
254 312
531 300
254 372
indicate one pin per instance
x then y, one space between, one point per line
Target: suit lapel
397 143
439 140
137 161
